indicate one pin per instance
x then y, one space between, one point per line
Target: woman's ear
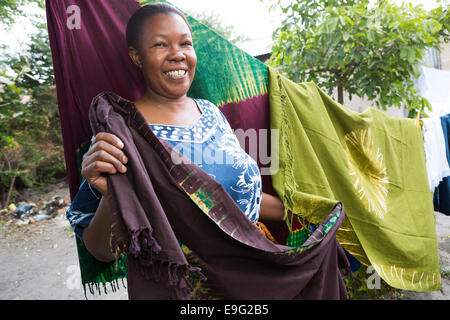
134 55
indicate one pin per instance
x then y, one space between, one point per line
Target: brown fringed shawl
157 204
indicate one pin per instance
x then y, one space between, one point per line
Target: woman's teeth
175 73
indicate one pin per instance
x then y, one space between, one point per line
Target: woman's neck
182 111
155 102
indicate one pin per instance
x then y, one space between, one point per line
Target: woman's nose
176 53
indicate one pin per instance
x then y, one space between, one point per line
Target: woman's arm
271 208
96 236
104 157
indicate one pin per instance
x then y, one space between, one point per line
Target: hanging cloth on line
90 60
94 59
442 192
371 162
435 153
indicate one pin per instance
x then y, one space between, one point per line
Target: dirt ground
39 261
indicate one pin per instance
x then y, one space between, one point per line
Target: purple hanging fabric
86 64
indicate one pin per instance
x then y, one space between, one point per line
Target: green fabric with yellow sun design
373 164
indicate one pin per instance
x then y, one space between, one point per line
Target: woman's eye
187 43
159 44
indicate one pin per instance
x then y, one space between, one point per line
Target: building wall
445 56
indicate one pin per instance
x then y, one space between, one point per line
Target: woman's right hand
104 157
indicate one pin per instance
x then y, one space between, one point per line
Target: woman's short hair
137 20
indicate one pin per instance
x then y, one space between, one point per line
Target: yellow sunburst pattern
365 163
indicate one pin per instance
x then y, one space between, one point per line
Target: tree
212 20
9 9
368 51
30 135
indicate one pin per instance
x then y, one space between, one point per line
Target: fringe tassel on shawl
96 287
180 287
144 247
290 184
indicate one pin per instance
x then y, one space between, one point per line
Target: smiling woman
170 223
160 44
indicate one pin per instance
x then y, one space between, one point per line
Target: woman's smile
176 74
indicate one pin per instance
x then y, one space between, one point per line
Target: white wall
445 56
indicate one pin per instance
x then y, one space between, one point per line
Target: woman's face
166 55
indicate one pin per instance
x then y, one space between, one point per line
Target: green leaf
332 24
350 22
25 69
411 55
14 88
345 36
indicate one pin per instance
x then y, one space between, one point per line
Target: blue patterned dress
211 144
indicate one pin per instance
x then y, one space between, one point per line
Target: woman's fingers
103 156
105 146
94 173
109 138
108 142
97 168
